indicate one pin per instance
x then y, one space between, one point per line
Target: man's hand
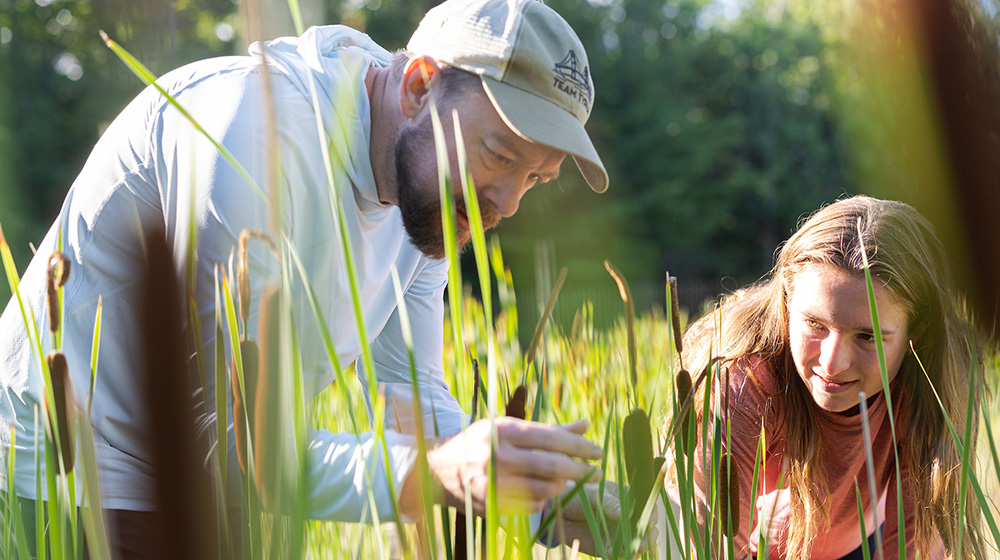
534 463
572 522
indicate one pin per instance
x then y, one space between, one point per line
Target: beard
419 200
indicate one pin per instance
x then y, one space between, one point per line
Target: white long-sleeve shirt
152 167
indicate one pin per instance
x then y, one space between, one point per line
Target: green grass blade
861 520
757 474
983 502
91 513
877 331
95 352
40 548
331 353
966 451
34 341
293 7
577 490
221 393
550 305
595 530
870 465
149 78
13 517
426 497
482 265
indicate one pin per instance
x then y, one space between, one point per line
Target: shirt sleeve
441 413
348 476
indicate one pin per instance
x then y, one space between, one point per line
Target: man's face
502 164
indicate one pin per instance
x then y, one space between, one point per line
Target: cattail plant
637 441
249 352
675 314
728 482
626 295
61 417
56 275
682 390
186 527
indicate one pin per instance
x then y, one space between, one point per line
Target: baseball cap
532 65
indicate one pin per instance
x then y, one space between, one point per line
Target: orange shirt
752 406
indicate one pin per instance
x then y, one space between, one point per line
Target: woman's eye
867 337
812 324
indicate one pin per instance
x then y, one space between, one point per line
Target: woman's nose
835 355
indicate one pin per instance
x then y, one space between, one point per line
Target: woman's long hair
907 260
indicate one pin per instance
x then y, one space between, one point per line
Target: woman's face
831 335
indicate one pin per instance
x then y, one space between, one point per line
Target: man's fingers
526 495
543 465
578 427
612 506
531 435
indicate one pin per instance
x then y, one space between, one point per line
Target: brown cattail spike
516 404
56 274
729 495
62 417
243 271
675 315
682 388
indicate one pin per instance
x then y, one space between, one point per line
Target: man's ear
419 76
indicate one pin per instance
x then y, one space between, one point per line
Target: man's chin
436 250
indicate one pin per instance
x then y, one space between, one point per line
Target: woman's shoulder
753 374
754 391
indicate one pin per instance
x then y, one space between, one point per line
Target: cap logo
570 80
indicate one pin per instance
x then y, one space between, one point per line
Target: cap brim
543 122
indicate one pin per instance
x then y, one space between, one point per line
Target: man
517 77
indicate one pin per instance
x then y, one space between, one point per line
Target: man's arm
424 300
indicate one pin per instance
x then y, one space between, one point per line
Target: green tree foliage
60 86
714 121
712 118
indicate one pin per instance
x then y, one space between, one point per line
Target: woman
798 348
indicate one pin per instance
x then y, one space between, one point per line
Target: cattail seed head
638 447
729 495
516 404
243 270
682 385
62 417
675 315
682 389
56 275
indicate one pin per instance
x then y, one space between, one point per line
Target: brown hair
906 259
